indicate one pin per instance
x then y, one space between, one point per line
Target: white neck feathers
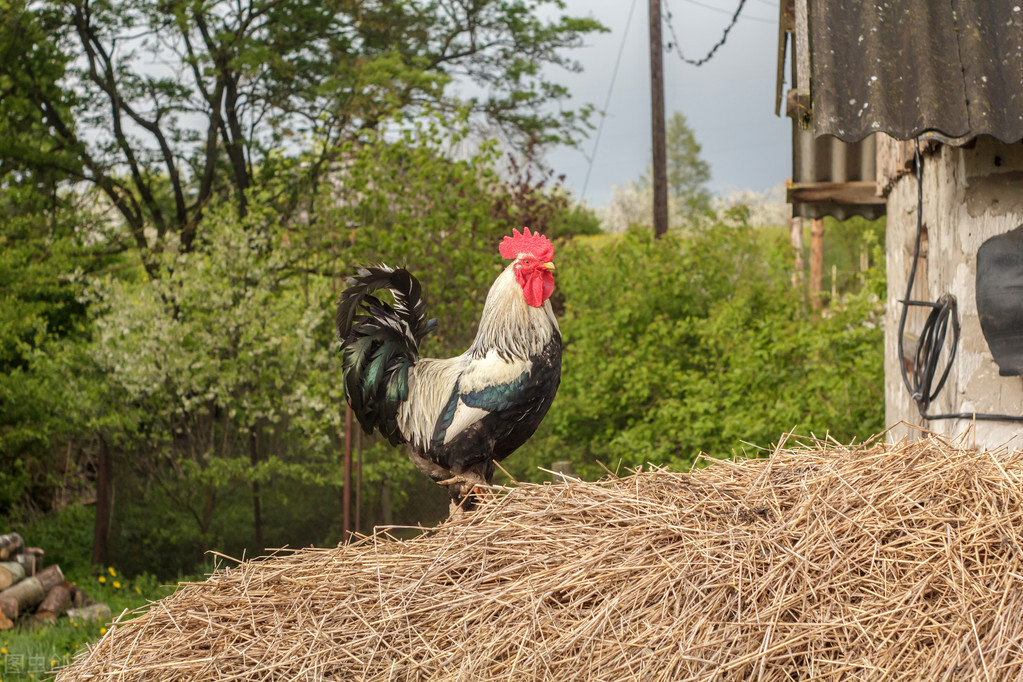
509 325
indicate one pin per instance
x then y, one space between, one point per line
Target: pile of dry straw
822 562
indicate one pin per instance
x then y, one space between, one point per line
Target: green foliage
44 372
685 345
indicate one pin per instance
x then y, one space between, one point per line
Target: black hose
919 382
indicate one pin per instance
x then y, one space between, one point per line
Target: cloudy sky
729 102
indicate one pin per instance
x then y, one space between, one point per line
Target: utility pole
657 121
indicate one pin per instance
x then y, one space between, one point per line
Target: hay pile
825 562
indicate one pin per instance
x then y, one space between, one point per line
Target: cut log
5 622
57 600
98 611
28 562
79 597
9 607
30 591
10 573
10 544
31 559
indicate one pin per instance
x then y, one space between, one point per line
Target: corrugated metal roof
906 67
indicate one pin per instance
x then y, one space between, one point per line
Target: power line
725 11
607 100
724 36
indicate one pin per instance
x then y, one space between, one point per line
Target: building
874 83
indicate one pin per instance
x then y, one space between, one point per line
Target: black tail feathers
379 343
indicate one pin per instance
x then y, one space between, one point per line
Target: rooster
460 415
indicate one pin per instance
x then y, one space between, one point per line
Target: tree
163 105
687 172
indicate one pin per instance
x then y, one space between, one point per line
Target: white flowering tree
226 354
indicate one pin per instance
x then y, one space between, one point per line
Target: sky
728 102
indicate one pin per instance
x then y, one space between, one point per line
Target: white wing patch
490 370
465 417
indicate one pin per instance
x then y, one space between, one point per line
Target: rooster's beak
549 266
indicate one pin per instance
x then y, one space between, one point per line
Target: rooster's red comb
533 243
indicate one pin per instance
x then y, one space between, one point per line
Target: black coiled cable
919 380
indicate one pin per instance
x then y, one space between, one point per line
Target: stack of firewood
28 590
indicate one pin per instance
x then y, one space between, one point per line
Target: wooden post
385 502
358 479
257 506
816 263
346 498
562 470
657 121
796 239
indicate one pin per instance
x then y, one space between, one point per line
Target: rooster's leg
464 491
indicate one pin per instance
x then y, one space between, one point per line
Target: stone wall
970 195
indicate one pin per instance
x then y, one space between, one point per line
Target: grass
35 652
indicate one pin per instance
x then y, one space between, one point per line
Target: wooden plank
860 192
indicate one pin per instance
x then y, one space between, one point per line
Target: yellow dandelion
102 578
3 650
117 585
137 590
102 631
112 571
53 662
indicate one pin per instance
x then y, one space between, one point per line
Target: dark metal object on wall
1000 299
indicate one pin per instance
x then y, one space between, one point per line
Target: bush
694 344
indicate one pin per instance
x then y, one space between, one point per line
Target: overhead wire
724 35
607 100
712 8
674 43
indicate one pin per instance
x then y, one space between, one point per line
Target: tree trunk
10 573
55 603
30 591
10 544
104 504
816 263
